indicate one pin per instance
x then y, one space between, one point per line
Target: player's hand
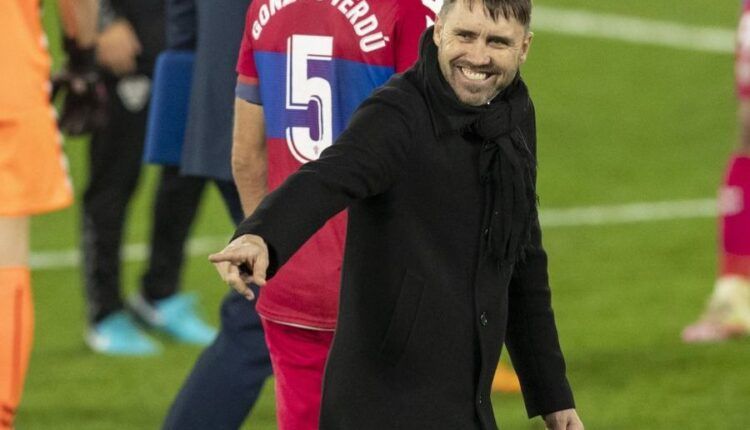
563 420
247 252
118 47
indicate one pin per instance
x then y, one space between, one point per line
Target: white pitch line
550 218
628 213
634 30
134 252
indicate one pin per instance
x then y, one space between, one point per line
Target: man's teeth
474 76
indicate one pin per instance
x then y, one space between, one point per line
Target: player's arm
79 19
742 82
249 158
744 124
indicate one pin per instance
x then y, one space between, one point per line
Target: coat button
483 319
480 400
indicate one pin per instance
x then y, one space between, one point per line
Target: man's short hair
518 9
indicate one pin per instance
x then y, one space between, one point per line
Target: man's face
479 57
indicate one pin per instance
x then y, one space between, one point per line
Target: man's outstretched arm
366 160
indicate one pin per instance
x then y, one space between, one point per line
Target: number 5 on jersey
304 92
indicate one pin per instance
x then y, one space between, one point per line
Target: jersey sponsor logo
360 15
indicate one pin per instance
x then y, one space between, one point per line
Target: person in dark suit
444 260
228 376
132 34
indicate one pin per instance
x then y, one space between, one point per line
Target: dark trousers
228 376
230 373
115 155
175 205
114 167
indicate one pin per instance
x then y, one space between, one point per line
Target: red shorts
33 169
298 357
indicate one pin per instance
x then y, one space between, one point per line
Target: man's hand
563 420
117 48
247 251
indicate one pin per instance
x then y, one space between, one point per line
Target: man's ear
525 45
437 33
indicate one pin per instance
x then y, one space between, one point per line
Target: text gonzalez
364 22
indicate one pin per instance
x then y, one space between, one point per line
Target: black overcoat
424 311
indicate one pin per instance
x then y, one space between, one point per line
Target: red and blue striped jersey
310 63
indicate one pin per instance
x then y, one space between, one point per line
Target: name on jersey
364 22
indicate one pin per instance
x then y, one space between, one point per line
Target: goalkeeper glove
84 108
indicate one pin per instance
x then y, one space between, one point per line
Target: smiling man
444 260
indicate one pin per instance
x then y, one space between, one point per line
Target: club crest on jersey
363 20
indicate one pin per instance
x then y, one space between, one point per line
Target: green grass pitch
618 123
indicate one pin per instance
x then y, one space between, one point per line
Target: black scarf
506 165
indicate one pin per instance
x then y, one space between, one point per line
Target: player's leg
160 304
734 205
299 357
26 188
175 207
728 310
229 375
16 314
114 167
231 200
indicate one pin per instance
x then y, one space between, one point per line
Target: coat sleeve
532 338
366 160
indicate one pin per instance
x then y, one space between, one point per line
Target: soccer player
303 69
728 311
33 170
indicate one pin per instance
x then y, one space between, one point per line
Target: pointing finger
260 267
234 279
